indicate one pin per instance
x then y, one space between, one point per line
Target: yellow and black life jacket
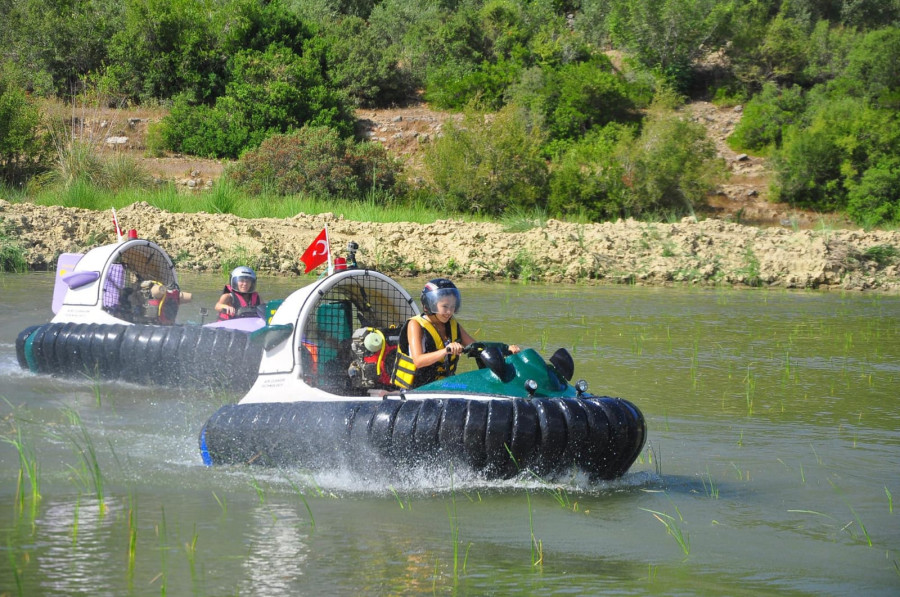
405 374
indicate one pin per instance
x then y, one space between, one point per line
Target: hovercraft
323 400
114 311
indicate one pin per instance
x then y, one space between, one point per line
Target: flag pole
328 242
116 225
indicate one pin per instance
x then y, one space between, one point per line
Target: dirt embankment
708 252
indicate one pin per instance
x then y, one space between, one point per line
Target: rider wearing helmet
239 298
430 344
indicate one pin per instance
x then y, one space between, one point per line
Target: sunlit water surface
771 467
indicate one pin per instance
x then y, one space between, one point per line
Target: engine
374 351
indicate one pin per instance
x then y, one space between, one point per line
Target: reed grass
190 548
13 566
75 521
89 474
260 493
223 504
453 516
29 469
890 499
296 488
397 497
709 486
537 546
749 388
673 528
162 534
859 522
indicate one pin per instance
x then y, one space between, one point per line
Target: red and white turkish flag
317 253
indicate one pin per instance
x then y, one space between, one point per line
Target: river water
771 465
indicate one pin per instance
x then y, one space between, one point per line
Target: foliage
670 167
817 79
765 116
167 48
269 92
56 42
574 98
846 153
871 71
12 254
588 177
669 35
23 148
875 199
221 130
666 167
360 65
489 164
316 161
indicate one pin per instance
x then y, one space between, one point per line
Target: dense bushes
765 116
569 133
665 169
23 149
315 160
834 146
269 92
489 164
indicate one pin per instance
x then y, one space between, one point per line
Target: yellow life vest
405 373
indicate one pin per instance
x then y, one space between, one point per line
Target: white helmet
243 272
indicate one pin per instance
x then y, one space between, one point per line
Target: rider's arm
224 304
421 359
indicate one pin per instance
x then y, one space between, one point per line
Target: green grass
224 198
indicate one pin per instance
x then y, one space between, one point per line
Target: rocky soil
708 252
782 248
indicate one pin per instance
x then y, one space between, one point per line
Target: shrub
765 116
362 65
316 161
23 149
218 131
574 98
875 200
269 92
588 178
166 49
669 167
872 69
487 165
455 85
808 169
12 254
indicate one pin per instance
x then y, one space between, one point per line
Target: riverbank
709 252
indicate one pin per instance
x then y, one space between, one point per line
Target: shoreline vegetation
705 252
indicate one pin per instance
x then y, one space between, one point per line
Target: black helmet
243 272
437 289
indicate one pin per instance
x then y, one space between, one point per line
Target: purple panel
65 265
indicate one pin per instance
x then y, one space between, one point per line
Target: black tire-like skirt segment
499 438
176 356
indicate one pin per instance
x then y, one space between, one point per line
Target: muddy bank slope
710 252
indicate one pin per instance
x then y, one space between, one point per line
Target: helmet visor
443 301
243 283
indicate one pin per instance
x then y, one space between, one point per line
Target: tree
669 35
